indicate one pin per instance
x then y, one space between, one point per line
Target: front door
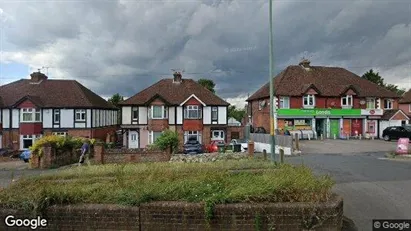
133 139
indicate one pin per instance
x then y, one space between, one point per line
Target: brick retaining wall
190 216
53 158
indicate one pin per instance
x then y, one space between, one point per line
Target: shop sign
372 112
319 112
402 146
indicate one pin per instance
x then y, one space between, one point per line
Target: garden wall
191 216
123 155
54 158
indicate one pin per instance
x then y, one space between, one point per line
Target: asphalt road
372 188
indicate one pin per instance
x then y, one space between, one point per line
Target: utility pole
272 105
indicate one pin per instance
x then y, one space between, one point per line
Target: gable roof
406 97
330 82
175 93
52 93
389 114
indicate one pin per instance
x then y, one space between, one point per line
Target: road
372 188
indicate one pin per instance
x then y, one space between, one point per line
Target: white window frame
56 112
151 136
164 113
221 132
64 134
284 102
33 139
133 111
188 134
308 97
349 101
35 114
369 101
192 108
214 111
390 102
81 113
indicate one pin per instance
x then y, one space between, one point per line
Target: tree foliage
377 79
167 139
236 113
116 99
207 83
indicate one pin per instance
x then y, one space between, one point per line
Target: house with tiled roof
331 101
405 103
178 104
32 108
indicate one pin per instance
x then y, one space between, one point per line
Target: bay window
80 115
192 135
388 104
284 103
370 103
31 115
158 112
309 101
347 101
192 112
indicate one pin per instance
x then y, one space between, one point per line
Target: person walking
84 150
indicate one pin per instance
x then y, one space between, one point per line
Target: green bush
60 143
169 139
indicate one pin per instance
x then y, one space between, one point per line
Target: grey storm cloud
125 46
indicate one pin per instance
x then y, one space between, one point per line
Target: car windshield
192 142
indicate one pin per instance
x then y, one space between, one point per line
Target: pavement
372 186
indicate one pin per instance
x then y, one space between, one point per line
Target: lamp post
271 63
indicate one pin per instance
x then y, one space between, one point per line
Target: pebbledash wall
109 156
325 216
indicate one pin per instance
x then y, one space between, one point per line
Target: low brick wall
52 158
107 156
190 216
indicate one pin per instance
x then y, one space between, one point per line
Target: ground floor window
192 135
217 135
64 134
235 135
28 140
153 136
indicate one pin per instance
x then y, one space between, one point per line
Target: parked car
242 142
396 132
25 155
213 146
193 147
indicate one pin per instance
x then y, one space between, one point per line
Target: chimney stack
177 77
38 77
305 63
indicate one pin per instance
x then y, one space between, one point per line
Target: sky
125 46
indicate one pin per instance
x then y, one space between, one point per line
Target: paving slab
346 146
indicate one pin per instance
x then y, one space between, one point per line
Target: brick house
177 104
328 100
405 103
31 108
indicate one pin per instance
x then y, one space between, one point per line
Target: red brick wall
106 156
193 125
31 128
158 125
261 118
53 158
79 132
295 102
26 104
405 108
192 101
157 102
206 135
101 133
190 216
399 116
239 129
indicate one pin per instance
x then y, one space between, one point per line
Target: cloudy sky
125 46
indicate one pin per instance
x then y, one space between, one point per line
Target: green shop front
330 123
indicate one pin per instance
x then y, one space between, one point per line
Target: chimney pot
177 77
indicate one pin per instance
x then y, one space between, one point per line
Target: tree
207 83
394 88
236 113
116 99
374 77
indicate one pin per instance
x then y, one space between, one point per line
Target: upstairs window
158 112
309 101
192 112
56 116
134 114
347 101
370 103
388 104
31 115
284 103
80 115
214 113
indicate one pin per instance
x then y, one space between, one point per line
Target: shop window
346 101
309 101
388 104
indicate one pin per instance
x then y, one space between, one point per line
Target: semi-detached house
331 101
178 104
32 108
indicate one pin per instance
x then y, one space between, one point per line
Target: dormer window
309 101
347 101
388 104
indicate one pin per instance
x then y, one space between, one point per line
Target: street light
271 63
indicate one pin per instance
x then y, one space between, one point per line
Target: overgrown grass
132 184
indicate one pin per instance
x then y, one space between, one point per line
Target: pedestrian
84 150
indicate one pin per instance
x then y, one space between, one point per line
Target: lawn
131 184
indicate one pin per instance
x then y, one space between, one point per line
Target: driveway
372 188
346 146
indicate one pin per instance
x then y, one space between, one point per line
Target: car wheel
26 160
387 138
